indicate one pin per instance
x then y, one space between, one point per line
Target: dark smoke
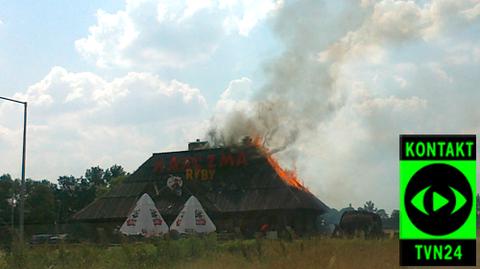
300 91
352 76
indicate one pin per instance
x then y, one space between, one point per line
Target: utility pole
22 187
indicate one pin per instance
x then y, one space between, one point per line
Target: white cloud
113 34
440 73
476 54
444 16
247 13
401 81
398 22
237 96
473 12
168 33
77 120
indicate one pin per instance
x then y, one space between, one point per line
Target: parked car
39 239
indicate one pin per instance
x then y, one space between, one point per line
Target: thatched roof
225 180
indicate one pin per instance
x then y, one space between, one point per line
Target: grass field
209 253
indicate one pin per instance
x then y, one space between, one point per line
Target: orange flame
290 177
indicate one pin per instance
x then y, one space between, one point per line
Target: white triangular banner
193 219
145 219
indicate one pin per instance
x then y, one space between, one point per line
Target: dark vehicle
39 239
359 223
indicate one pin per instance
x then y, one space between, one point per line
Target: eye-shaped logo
438 199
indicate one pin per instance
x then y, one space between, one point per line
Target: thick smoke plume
351 77
299 92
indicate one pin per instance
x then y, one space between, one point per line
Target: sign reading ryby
437 200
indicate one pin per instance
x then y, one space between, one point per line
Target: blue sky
40 35
114 81
39 43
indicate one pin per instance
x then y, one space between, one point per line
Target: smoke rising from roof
298 94
352 76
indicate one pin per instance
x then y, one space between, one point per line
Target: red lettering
188 163
173 164
211 161
197 161
226 159
241 159
158 167
182 163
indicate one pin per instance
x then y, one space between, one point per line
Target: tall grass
209 253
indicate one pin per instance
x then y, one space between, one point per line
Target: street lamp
22 187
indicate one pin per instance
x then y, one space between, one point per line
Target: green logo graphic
437 199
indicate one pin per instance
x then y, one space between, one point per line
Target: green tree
5 177
382 213
68 183
111 177
47 202
395 217
6 192
370 207
72 195
114 172
66 197
95 176
40 202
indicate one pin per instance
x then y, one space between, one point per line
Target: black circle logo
438 199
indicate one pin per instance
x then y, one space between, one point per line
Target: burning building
241 188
